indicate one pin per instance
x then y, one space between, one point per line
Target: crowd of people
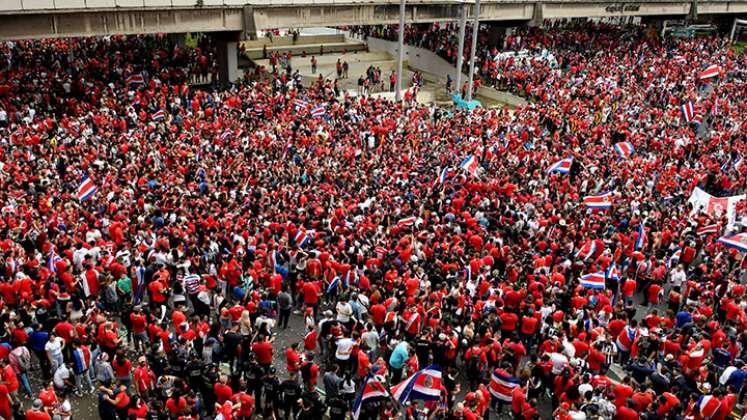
160 242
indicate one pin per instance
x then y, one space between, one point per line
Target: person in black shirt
231 342
209 377
338 408
271 389
291 392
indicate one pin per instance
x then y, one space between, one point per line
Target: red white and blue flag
442 177
613 272
641 238
302 237
708 229
625 149
599 201
53 260
422 385
593 280
406 222
562 166
708 405
688 111
158 115
372 390
739 163
300 104
502 385
716 108
737 241
319 111
709 72
587 251
470 164
675 258
86 189
135 79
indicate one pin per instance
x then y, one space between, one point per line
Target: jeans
23 378
284 316
79 382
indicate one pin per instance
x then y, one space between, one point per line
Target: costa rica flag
562 166
709 72
371 390
625 149
738 241
422 385
599 201
86 189
688 111
470 164
502 385
593 280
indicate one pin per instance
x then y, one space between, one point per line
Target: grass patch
190 41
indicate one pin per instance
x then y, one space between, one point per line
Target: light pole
460 49
475 30
401 46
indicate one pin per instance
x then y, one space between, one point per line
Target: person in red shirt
223 391
311 296
263 350
139 323
293 360
176 404
37 411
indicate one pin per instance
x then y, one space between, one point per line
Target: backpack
473 364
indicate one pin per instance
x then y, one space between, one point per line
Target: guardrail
76 5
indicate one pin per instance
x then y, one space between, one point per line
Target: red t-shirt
310 293
223 392
176 408
138 323
263 350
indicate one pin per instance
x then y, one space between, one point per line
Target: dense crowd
159 241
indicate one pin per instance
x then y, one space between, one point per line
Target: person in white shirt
344 349
344 312
62 378
54 350
677 277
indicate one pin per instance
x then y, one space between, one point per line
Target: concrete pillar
400 51
475 33
693 15
537 14
179 40
228 57
460 48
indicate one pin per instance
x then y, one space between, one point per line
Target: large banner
716 206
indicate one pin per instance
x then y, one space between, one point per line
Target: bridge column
179 40
475 32
400 51
460 48
227 50
537 14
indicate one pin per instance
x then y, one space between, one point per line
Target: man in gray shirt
285 305
332 382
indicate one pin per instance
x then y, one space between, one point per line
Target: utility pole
475 30
401 56
460 49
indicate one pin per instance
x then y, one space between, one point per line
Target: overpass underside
25 19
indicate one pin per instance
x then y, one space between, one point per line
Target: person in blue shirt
683 318
398 359
37 340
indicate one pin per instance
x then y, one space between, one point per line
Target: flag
599 201
332 287
593 280
688 111
562 166
641 237
422 385
739 163
587 251
86 189
625 149
442 177
470 164
709 72
708 405
300 104
612 273
737 241
226 135
502 385
715 108
381 251
680 59
135 79
675 258
53 260
407 221
708 229
372 389
158 115
318 111
302 237
697 119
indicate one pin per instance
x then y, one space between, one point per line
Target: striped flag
613 273
53 260
319 111
300 104
86 189
675 258
158 115
442 177
625 149
502 385
593 280
135 79
470 164
371 390
599 201
737 241
562 166
422 385
688 111
407 221
708 229
641 237
709 72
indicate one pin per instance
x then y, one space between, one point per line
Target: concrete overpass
27 19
